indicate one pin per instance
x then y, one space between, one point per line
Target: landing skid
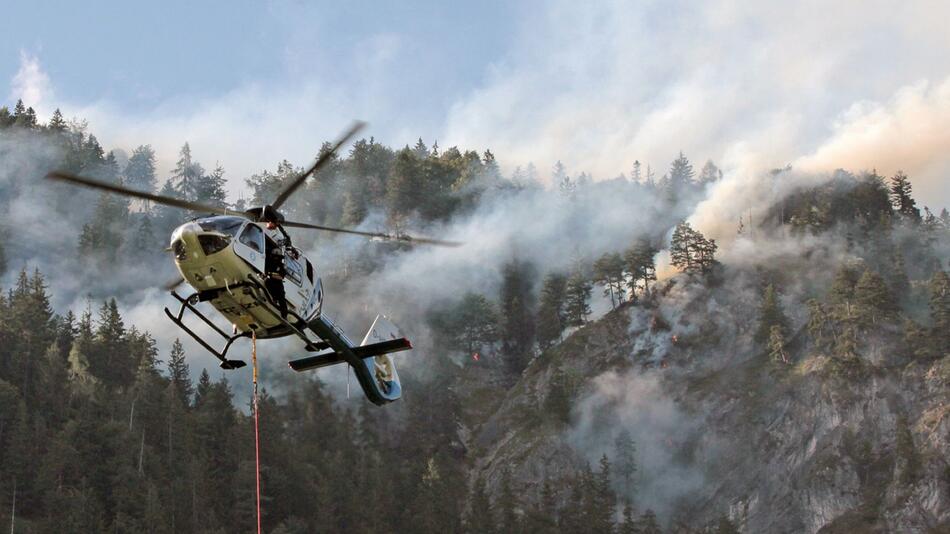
188 303
260 294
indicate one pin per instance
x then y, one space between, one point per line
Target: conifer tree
552 316
874 301
507 505
628 525
609 272
818 325
517 303
648 523
56 122
480 517
576 297
940 310
680 178
640 266
140 170
178 373
902 199
777 344
770 314
626 462
710 173
603 500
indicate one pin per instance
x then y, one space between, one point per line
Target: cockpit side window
253 237
309 271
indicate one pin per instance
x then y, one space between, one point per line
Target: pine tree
777 344
818 325
901 197
770 314
576 298
480 517
144 242
140 170
636 175
680 178
552 316
648 523
897 278
629 524
56 122
507 505
640 266
873 299
710 173
841 293
604 500
565 185
690 251
211 188
187 175
940 310
626 462
517 303
178 373
111 363
609 272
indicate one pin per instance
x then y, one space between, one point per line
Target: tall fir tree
552 315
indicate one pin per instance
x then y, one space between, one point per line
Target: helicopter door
250 246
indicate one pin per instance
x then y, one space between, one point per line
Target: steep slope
824 443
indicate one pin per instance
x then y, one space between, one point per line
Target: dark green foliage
507 506
626 464
577 295
690 251
680 180
709 174
468 325
517 303
874 301
178 374
140 171
940 310
648 523
56 122
609 273
481 513
640 266
770 314
901 198
552 314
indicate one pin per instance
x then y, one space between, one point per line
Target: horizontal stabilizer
364 351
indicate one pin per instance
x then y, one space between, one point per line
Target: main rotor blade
118 189
388 237
321 161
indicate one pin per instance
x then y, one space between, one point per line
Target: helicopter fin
370 360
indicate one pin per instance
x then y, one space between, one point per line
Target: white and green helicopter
244 265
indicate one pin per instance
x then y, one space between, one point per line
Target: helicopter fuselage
225 258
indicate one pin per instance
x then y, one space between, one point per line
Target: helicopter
245 266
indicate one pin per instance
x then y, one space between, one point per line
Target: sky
750 85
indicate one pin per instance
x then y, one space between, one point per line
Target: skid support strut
188 303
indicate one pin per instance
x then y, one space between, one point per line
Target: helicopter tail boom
370 360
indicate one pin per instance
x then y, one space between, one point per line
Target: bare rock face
819 444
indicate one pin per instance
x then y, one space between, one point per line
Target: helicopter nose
185 242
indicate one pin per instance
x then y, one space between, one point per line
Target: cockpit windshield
224 224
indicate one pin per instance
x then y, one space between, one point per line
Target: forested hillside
590 360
